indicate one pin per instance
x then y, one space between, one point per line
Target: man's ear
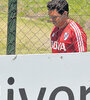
65 13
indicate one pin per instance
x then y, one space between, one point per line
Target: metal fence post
11 31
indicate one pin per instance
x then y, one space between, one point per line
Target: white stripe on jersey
78 36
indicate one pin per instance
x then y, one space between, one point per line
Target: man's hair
59 5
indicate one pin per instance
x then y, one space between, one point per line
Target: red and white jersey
70 39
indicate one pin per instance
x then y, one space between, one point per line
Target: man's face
56 18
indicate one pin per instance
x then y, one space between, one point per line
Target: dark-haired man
67 36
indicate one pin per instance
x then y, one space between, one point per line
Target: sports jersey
70 39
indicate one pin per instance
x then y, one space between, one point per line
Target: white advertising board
45 77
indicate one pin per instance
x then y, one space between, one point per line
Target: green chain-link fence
33 27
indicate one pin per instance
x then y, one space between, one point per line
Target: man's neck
65 23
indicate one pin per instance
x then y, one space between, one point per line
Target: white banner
45 77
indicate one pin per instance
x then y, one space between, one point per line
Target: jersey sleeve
79 41
79 38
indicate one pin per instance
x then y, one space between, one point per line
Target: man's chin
56 25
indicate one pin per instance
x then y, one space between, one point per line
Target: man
67 36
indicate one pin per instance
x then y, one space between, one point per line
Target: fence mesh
33 25
3 25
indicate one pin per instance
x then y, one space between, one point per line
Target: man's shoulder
75 26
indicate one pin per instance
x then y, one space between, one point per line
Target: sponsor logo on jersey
66 35
59 46
53 34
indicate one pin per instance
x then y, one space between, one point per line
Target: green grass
3 35
3 8
33 29
33 38
79 7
